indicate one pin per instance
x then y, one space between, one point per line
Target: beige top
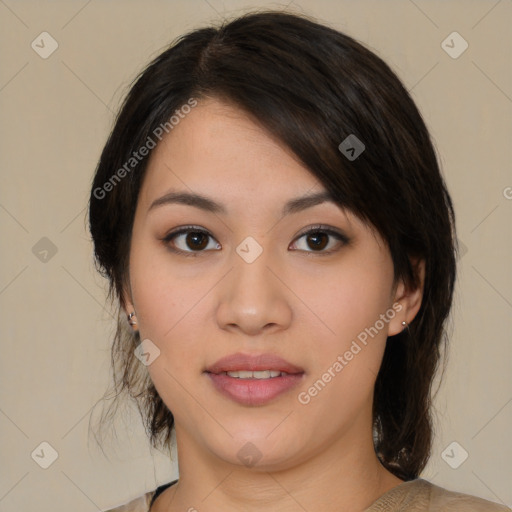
414 496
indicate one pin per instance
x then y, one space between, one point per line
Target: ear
126 298
408 299
128 307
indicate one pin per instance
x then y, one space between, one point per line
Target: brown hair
310 86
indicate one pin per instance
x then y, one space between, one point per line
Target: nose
253 297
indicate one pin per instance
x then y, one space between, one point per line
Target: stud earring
405 325
131 319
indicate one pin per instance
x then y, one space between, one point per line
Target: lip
253 363
253 392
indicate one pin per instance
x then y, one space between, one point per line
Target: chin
257 450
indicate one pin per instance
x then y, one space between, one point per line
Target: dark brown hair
310 87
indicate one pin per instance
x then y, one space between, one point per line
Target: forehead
218 150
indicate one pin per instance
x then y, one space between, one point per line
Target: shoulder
448 501
422 496
140 504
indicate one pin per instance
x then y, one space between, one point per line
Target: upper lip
254 363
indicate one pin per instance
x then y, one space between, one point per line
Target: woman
272 219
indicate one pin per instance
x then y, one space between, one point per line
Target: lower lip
254 391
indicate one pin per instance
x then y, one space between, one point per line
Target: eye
195 239
318 237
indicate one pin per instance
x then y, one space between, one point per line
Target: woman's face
250 283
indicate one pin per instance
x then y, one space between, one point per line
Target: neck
342 475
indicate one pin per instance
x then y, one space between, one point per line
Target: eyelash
313 229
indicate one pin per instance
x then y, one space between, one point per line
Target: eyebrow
207 204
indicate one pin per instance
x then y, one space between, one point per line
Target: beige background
55 330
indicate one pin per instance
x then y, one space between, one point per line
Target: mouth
262 374
259 364
253 379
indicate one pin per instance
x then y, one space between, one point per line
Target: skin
291 301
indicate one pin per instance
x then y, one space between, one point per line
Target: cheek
161 293
353 297
351 305
172 314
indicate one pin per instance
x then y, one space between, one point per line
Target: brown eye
196 240
189 240
318 238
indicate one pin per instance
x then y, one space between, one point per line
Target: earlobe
129 309
409 298
132 319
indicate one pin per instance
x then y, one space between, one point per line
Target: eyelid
331 231
185 229
324 228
